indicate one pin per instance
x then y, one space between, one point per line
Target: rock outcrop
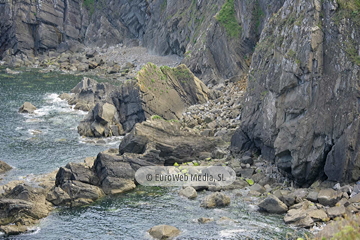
21 207
165 143
301 108
30 27
164 91
27 107
150 143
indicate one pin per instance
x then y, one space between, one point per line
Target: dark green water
40 143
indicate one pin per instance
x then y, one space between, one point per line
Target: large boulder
163 232
115 172
27 108
101 121
164 91
329 197
21 207
188 192
167 142
216 199
272 204
75 184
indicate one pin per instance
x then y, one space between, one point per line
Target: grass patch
349 9
227 19
156 117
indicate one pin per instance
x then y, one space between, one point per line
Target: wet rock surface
4 167
27 107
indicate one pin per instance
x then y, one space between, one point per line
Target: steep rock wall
195 29
302 104
29 27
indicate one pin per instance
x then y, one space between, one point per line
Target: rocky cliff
302 103
216 38
29 27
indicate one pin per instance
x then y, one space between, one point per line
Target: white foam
109 141
35 131
231 232
34 230
53 98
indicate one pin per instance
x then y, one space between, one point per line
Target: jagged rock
115 172
216 199
355 199
58 197
164 232
245 172
257 187
295 215
81 193
318 215
13 229
169 143
23 205
4 167
156 91
336 211
312 196
27 108
273 205
329 197
91 53
78 172
188 192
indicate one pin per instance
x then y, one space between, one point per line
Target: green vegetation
227 19
90 6
250 181
156 117
182 74
348 9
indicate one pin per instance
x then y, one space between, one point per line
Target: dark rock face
186 28
301 109
29 27
165 143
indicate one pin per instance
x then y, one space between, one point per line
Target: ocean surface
42 142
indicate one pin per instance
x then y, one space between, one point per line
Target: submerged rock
27 108
163 232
